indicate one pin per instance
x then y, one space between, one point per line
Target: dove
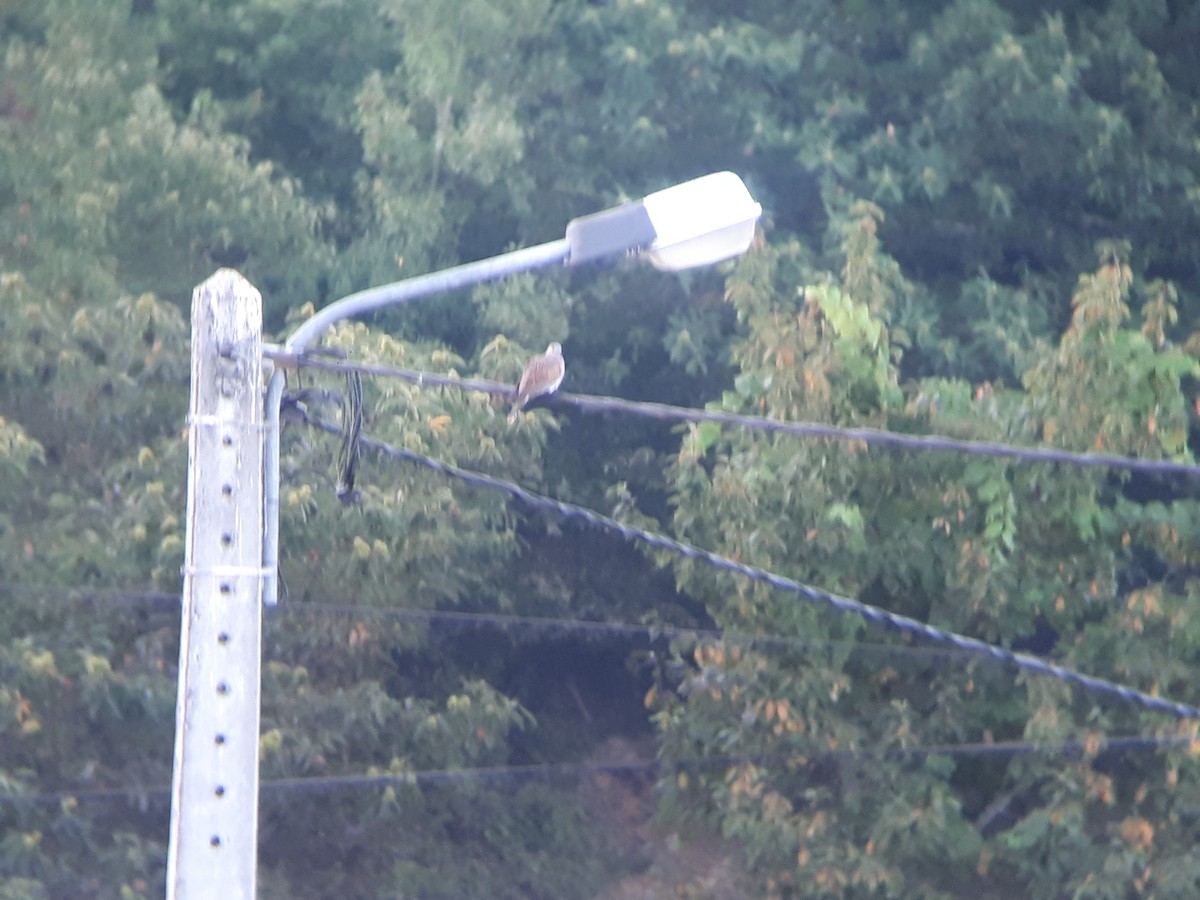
543 374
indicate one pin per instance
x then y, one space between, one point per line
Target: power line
1088 747
627 630
666 412
548 624
145 796
873 614
1079 749
1085 748
88 594
957 644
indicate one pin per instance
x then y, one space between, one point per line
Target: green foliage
527 839
109 189
976 546
284 75
524 310
937 179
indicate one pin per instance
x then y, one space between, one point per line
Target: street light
697 223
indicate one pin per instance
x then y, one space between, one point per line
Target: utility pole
213 848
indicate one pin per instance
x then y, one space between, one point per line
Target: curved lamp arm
696 223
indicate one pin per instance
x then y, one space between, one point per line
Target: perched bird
543 374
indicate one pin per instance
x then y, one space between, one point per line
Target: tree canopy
979 221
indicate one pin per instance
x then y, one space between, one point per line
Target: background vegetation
981 219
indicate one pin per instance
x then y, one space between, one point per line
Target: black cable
873 614
666 412
352 422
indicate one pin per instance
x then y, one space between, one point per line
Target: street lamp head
697 223
701 222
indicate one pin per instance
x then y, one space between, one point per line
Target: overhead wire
665 412
873 614
628 630
90 593
1088 747
144 796
956 642
503 621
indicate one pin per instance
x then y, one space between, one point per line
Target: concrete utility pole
214 793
